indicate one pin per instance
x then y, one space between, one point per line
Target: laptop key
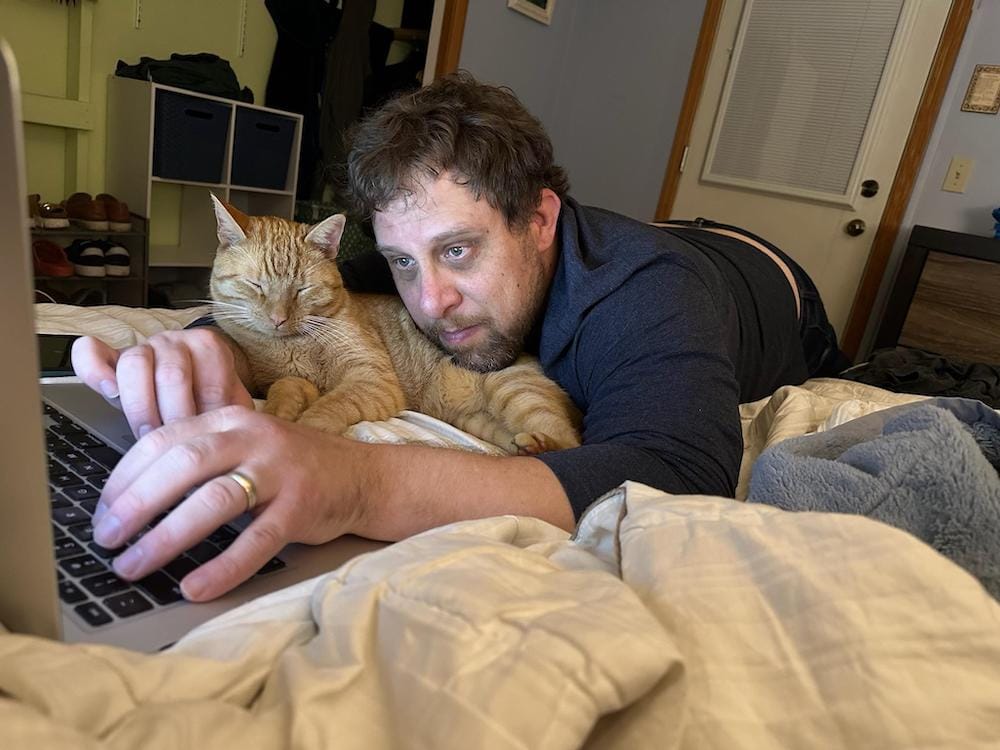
222 536
70 515
82 492
57 532
87 467
58 501
159 586
70 593
105 455
89 505
180 567
82 532
104 584
98 481
127 604
84 565
84 441
103 552
93 614
203 552
66 479
66 547
65 427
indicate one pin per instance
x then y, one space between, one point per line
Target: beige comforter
666 622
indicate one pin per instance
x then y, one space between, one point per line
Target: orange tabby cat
331 358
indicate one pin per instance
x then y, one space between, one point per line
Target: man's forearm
405 489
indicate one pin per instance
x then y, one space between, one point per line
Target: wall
956 133
37 30
606 79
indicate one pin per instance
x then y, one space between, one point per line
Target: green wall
41 34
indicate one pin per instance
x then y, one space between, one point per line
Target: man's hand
305 482
173 375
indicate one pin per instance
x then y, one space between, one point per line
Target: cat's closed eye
302 289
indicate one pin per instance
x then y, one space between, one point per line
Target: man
657 335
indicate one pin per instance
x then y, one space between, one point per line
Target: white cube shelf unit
168 148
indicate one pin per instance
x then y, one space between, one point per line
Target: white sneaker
116 260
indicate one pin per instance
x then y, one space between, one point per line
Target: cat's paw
533 443
287 411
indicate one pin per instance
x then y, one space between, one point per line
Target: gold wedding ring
249 488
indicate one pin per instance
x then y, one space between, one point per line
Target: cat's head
273 276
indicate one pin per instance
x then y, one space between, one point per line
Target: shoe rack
130 290
169 148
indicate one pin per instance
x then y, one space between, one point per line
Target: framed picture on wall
540 10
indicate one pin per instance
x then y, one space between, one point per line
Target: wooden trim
906 174
689 106
452 31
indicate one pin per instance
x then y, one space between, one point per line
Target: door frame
452 31
910 162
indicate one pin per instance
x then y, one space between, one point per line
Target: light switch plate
958 174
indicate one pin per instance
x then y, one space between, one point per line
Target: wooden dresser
946 298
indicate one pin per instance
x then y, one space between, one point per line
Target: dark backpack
204 72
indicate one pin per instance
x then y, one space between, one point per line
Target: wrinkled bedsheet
666 621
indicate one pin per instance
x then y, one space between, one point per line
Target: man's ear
327 234
232 223
545 219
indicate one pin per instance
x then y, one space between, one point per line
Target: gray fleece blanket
929 468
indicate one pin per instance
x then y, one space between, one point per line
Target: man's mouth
457 336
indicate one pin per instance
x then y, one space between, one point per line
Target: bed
664 621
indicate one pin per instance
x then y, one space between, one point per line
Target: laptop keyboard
79 465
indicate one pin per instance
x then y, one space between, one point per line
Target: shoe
49 259
87 257
116 259
119 219
52 216
84 211
34 217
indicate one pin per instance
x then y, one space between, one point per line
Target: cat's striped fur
331 358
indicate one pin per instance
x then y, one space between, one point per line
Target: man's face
470 284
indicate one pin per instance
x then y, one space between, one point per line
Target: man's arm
651 366
311 488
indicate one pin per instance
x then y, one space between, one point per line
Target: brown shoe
86 212
119 219
49 259
52 216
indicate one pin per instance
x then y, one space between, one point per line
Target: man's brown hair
481 134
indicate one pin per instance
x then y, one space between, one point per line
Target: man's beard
498 351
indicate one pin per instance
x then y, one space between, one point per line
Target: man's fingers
217 501
248 553
94 362
138 399
173 377
215 381
178 470
144 454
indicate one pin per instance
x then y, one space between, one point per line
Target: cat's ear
327 234
232 223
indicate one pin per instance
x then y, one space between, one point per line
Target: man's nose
438 295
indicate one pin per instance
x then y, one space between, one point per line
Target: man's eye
456 251
403 263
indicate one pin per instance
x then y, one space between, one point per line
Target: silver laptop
54 581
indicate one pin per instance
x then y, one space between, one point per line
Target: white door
805 104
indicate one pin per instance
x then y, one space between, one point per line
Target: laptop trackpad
91 410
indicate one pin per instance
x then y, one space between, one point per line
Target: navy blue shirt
658 335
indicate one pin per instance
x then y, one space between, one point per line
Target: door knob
855 227
869 188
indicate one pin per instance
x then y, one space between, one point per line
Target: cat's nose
279 320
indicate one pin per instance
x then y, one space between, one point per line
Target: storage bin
262 148
189 137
